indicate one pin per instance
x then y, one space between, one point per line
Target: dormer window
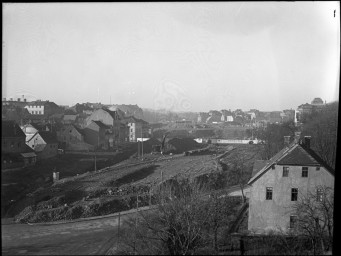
273 167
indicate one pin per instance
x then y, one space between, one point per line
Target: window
319 196
273 167
285 171
293 221
317 168
32 146
305 172
268 193
294 192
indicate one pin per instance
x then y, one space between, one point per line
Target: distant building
43 108
70 119
16 102
202 117
44 144
307 109
95 135
111 119
137 128
70 137
277 184
128 110
14 151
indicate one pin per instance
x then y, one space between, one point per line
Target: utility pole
118 228
142 140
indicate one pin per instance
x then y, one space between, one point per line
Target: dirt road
90 237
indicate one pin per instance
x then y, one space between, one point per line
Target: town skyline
185 57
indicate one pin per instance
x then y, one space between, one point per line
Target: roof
294 154
101 125
70 117
79 130
317 101
48 137
132 119
114 114
11 129
30 154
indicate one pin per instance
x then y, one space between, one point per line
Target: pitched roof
101 125
114 114
294 154
48 137
11 129
78 130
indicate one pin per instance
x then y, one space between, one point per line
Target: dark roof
113 114
48 137
101 125
81 131
11 129
294 154
298 156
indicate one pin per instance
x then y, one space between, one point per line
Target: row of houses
104 130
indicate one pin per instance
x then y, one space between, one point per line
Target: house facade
137 128
95 134
14 151
44 144
278 183
43 108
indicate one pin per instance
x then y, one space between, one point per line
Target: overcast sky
193 56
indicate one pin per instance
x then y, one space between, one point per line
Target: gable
298 156
294 154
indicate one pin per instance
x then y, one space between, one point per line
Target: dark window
285 171
293 221
317 168
268 193
294 192
273 167
319 195
304 171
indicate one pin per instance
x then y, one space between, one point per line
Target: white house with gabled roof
276 185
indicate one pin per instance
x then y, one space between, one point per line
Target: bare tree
314 212
176 227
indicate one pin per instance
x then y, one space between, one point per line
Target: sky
180 56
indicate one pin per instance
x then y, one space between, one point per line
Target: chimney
297 137
307 141
18 99
25 100
286 141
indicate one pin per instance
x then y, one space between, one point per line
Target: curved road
87 237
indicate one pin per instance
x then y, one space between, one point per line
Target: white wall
265 215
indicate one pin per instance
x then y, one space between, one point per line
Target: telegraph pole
142 141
